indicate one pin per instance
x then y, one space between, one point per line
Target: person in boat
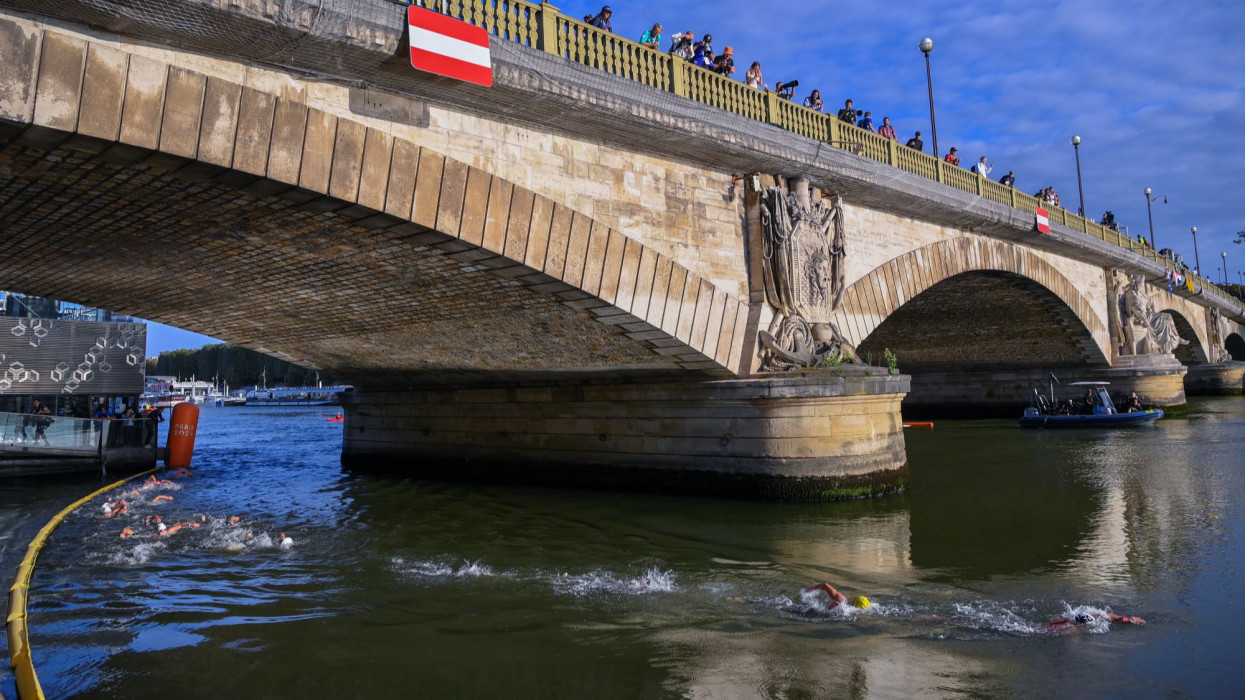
1088 403
1081 619
836 598
1133 405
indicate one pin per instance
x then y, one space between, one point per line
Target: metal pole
1196 259
933 123
1225 267
1081 190
1150 216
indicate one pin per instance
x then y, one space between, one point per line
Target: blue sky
1156 90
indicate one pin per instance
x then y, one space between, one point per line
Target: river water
403 588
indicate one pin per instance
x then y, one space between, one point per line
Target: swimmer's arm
1126 619
830 591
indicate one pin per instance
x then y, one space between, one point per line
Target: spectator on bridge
848 113
786 91
702 52
754 78
602 20
1008 180
982 167
681 45
813 101
652 38
886 130
915 143
866 122
725 64
951 156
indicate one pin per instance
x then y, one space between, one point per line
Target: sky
1155 90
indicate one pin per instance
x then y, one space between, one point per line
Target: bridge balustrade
541 26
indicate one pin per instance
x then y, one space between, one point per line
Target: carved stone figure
1147 331
1215 351
804 251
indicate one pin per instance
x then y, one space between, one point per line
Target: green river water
404 588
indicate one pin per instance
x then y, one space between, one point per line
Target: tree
1240 237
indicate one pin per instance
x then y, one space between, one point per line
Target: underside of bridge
278 269
983 320
1236 347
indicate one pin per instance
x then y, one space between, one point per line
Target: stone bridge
563 272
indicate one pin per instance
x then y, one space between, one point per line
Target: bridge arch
1194 353
218 207
965 272
1235 346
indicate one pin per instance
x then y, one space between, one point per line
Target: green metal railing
542 27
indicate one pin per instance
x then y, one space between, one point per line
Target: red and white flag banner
449 47
1043 220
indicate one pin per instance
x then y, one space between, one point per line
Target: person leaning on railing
652 38
725 64
848 113
951 156
915 143
702 52
886 130
602 20
681 45
1008 180
813 101
753 77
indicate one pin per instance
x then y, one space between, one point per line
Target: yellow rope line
28 687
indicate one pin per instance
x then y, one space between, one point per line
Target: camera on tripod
787 90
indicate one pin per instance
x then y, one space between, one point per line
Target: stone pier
995 394
1221 379
819 435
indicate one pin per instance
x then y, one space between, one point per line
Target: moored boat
1096 410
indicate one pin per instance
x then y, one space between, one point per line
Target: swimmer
173 529
234 520
158 499
284 541
153 481
181 472
151 519
126 533
115 508
837 598
1088 617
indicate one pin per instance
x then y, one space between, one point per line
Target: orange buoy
182 428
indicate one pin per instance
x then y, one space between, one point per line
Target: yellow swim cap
861 602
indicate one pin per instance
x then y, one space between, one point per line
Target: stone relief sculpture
1146 330
804 252
1215 351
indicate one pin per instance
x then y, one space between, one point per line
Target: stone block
577 250
559 239
59 92
183 107
522 201
374 179
497 217
594 258
475 206
20 43
103 91
219 124
255 120
347 160
538 233
144 102
318 144
403 167
288 137
428 188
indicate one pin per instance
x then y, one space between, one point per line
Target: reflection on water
408 588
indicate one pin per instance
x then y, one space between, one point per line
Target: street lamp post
927 45
1150 216
1076 146
1225 267
1196 260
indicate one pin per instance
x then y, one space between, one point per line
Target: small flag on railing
1043 220
449 47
